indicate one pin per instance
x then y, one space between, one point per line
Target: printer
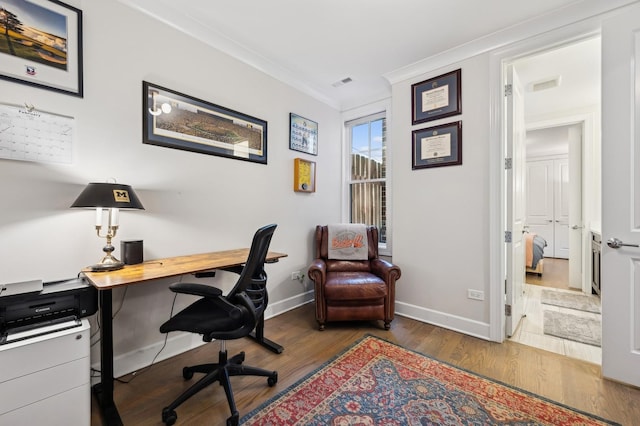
28 309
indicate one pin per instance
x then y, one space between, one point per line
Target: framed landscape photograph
437 97
174 120
41 45
437 146
303 134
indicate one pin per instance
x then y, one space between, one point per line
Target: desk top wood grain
172 266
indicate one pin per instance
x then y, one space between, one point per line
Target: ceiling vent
547 83
342 82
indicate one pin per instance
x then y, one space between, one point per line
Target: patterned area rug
577 301
573 327
376 382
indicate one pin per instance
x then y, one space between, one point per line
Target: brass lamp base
108 262
109 266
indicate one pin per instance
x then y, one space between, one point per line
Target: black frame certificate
437 146
438 97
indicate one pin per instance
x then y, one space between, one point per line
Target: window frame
359 116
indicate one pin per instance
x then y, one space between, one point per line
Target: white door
561 195
515 209
574 195
621 197
540 216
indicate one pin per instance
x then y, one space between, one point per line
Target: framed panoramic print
174 120
303 134
41 45
437 146
437 97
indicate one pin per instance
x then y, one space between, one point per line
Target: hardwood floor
556 274
575 383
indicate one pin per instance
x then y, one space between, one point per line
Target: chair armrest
201 290
318 271
385 270
245 301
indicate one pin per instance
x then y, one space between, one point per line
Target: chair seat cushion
203 317
354 286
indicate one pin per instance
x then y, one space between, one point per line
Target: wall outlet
295 275
475 294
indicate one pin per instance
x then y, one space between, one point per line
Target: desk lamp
111 196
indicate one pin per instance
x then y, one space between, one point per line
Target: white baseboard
277 308
139 359
448 321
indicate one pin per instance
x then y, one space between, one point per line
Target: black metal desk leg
258 336
103 391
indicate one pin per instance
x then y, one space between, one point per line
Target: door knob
577 227
616 243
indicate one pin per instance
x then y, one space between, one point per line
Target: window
367 178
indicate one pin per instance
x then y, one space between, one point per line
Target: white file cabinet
45 379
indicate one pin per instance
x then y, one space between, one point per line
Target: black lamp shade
108 195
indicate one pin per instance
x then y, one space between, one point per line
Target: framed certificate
304 175
437 97
437 146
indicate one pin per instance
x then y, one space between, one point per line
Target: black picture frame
175 120
54 64
303 134
437 97
437 146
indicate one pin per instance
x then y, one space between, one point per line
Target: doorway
561 87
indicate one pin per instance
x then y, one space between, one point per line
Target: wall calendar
31 135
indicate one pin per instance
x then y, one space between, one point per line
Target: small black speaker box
131 252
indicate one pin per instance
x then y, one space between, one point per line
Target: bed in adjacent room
534 253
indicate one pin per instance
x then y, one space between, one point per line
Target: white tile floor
530 330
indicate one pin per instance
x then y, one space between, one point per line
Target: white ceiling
313 44
577 66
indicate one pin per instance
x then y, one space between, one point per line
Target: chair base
218 372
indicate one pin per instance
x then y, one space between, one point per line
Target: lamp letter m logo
121 195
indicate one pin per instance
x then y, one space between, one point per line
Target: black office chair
220 317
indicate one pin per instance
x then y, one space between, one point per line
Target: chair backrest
252 283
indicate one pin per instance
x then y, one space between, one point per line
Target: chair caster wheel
273 379
169 417
187 373
234 419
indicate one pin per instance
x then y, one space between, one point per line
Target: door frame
497 196
587 122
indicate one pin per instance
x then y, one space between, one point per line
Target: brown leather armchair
353 289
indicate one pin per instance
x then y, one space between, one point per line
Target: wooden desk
105 282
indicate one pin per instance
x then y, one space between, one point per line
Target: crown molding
570 14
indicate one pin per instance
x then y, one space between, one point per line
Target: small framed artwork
179 121
438 97
42 45
303 134
437 146
304 175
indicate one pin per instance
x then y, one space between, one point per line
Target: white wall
449 221
441 235
194 202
